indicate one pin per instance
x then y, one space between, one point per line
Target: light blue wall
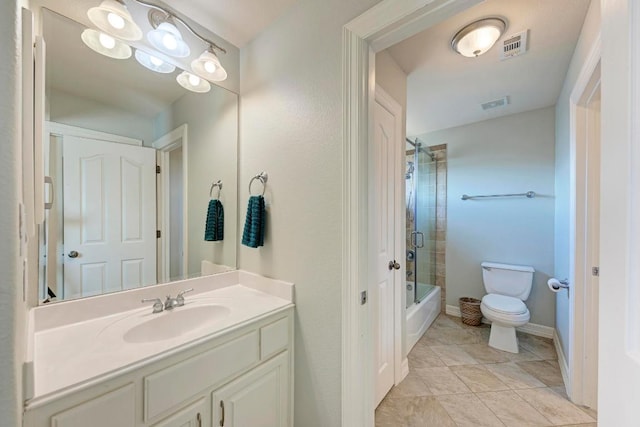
590 31
511 154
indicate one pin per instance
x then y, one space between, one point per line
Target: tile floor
456 379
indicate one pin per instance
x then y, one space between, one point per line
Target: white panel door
619 299
259 398
382 200
109 217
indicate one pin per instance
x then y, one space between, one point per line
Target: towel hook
263 177
214 185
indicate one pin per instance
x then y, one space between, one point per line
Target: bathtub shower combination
423 297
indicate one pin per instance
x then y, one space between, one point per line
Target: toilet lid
504 304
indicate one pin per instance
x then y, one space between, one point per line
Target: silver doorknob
393 265
73 254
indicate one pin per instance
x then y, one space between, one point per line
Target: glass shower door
421 223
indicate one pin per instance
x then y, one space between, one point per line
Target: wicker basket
470 310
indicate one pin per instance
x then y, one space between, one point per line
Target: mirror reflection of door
109 222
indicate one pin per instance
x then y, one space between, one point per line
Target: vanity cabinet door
260 398
195 415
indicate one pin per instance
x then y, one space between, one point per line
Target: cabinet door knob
393 265
221 413
73 254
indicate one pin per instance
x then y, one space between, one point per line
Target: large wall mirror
132 161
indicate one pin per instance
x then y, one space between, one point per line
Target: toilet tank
505 279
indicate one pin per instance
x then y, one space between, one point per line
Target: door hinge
158 234
157 168
595 271
363 297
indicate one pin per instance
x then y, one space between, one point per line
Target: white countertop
76 350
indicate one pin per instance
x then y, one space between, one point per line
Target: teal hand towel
214 226
253 234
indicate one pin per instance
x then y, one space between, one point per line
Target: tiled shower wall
440 235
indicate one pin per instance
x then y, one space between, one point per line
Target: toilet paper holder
556 285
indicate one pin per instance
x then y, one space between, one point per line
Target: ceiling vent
496 103
514 45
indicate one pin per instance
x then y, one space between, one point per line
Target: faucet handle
157 304
180 296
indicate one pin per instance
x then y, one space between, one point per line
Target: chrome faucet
157 304
180 297
171 303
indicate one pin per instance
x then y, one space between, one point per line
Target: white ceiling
445 89
238 21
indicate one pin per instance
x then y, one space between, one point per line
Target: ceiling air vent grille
514 45
496 103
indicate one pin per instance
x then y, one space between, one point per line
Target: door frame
178 137
380 27
400 362
581 294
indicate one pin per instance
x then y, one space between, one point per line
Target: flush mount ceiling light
478 37
208 66
113 18
154 63
105 45
193 83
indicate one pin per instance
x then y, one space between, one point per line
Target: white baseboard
562 360
529 328
404 370
453 310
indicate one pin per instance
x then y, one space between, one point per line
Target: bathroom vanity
224 358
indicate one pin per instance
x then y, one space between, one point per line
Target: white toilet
507 287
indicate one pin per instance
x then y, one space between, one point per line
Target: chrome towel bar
528 195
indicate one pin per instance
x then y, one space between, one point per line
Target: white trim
178 137
537 330
633 298
389 19
562 359
55 128
405 369
452 310
578 276
530 328
28 141
39 131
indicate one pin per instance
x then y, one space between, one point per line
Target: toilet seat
504 304
508 311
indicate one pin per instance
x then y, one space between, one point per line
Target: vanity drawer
273 338
116 408
175 384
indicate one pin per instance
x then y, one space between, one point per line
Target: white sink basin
174 323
